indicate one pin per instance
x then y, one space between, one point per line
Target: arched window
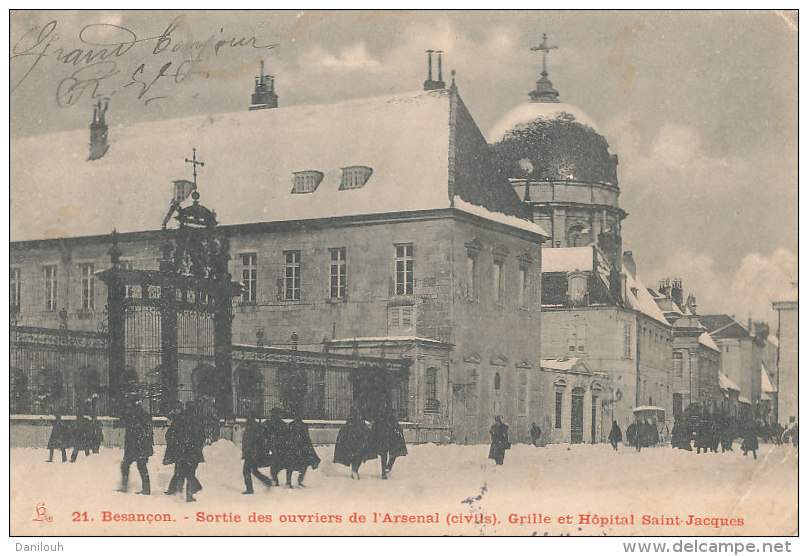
577 236
432 403
497 381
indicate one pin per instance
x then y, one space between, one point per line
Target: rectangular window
338 276
627 340
677 364
291 281
521 287
404 269
472 277
432 403
87 273
558 408
249 276
132 291
14 289
497 281
576 338
49 273
401 320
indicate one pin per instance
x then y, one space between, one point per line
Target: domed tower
560 164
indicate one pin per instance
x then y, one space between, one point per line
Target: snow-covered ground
449 483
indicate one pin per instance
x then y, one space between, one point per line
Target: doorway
577 416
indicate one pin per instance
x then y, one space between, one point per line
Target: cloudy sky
700 107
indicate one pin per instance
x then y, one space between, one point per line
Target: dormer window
306 181
354 177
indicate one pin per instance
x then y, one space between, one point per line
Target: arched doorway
577 416
577 236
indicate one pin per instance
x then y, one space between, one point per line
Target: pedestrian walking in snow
535 433
499 441
353 443
138 446
81 437
750 439
172 450
191 442
387 438
615 435
59 438
276 436
632 435
727 434
255 454
96 434
301 454
680 435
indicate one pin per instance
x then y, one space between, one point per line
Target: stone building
376 228
594 308
696 367
787 359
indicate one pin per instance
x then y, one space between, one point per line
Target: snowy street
659 491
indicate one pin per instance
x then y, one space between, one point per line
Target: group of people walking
358 443
83 435
711 431
279 446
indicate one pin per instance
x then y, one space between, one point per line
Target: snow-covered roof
744 399
506 219
566 259
649 408
522 115
642 301
765 382
725 383
249 157
706 340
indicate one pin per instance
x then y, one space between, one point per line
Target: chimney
264 94
677 293
430 84
98 131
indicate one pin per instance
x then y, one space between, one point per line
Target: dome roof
552 140
522 115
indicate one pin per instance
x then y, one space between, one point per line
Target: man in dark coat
81 437
59 438
96 434
353 443
138 446
535 433
172 450
631 434
750 439
191 441
387 438
255 454
301 452
615 435
276 436
499 441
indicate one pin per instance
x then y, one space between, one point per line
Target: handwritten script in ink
106 59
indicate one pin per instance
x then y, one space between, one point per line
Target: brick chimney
98 131
264 96
430 84
677 293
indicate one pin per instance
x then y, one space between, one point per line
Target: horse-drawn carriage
656 417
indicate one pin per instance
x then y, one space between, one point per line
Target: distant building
787 359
